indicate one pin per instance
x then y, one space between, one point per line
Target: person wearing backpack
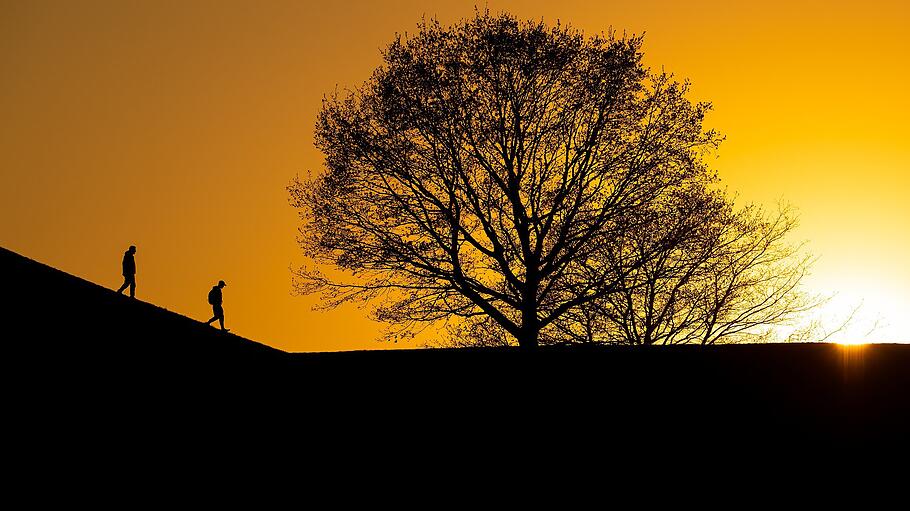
215 300
129 271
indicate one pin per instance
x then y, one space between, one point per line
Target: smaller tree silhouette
735 276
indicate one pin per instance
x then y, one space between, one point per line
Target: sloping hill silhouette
76 346
87 351
58 313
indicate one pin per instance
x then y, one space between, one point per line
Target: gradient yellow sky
176 125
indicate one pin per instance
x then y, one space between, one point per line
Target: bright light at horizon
857 316
847 342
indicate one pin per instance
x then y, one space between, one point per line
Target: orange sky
176 125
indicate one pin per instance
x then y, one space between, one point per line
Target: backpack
213 296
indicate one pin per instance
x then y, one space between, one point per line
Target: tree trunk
528 338
530 329
530 324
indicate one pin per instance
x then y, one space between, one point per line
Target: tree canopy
513 179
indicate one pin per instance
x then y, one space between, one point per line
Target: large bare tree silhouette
493 173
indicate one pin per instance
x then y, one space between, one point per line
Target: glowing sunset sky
176 126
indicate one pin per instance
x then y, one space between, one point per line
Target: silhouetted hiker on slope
129 271
215 300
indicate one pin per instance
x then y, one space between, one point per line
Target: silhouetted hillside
55 312
782 390
89 352
76 346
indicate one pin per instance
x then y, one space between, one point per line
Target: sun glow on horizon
856 316
848 342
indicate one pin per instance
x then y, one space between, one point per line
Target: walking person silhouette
215 299
129 271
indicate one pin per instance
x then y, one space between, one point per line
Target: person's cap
132 247
221 283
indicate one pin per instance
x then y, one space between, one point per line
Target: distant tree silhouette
511 179
752 278
731 279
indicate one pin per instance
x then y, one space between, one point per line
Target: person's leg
132 286
220 313
126 282
216 311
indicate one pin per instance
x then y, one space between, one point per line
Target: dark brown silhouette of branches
527 183
734 276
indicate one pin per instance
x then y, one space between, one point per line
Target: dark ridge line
157 309
192 323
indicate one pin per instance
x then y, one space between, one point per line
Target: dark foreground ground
89 366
